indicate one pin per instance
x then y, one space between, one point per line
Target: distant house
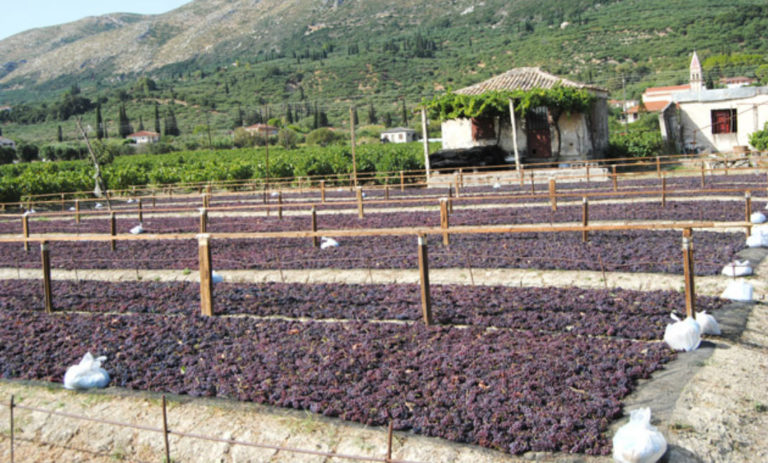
582 135
702 120
144 136
736 82
262 129
7 142
398 135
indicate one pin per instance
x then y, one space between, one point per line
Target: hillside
224 56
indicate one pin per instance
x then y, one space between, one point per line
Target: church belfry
696 74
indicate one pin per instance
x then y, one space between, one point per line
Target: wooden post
77 211
352 141
461 178
389 437
690 296
588 173
386 192
25 230
450 198
664 191
154 201
315 240
45 254
533 188
359 194
203 220
140 211
205 201
112 229
444 220
553 193
165 432
584 218
206 282
402 181
426 302
322 191
12 405
457 182
702 174
615 180
748 211
62 202
280 205
658 166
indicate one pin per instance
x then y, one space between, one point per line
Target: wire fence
166 432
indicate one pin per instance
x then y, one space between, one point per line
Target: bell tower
696 74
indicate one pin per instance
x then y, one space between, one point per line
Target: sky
19 15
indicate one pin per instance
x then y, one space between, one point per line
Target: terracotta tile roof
651 106
671 88
523 79
143 133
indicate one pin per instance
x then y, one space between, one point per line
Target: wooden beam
206 280
426 300
45 255
584 219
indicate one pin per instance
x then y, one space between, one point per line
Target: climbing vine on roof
558 99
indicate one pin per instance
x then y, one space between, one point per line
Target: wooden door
539 138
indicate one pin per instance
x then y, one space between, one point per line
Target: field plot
514 369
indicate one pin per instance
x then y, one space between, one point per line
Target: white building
398 135
582 135
702 120
144 136
7 142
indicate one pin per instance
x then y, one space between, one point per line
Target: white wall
696 120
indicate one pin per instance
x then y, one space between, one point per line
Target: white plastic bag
496 186
683 334
737 268
87 374
137 230
638 441
216 278
707 323
326 243
757 217
738 290
756 240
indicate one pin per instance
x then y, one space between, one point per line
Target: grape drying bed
544 385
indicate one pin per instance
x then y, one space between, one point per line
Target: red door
539 138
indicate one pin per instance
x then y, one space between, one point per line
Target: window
724 121
483 128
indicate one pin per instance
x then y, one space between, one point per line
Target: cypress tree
99 123
170 123
405 114
141 124
157 119
316 123
125 123
372 119
354 116
387 120
59 136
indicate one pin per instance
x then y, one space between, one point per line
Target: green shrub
759 139
323 137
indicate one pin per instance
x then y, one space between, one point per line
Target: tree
141 124
316 122
404 114
27 152
287 138
157 119
99 123
323 137
59 135
170 123
7 154
125 128
238 119
759 139
354 115
387 120
372 119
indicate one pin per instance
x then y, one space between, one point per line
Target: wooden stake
140 211
664 191
45 255
112 229
12 405
615 180
386 192
62 202
389 438
461 180
315 240
165 433
702 174
352 139
25 230
203 220
584 218
359 193
748 211
587 173
658 166
602 269
322 191
444 220
206 282
457 183
553 194
205 201
426 302
533 188
690 296
402 181
154 201
280 205
77 211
